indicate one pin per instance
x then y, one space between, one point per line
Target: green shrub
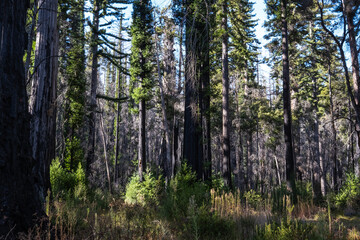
253 199
64 182
145 192
349 195
217 182
293 230
304 191
183 187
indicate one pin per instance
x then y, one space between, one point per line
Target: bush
349 195
304 191
145 192
181 189
64 182
253 199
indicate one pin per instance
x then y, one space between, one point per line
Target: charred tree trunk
20 202
43 93
289 155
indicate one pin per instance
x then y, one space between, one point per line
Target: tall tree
19 199
43 94
94 83
73 66
197 85
226 166
141 68
289 152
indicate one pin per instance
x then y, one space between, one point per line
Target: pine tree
141 69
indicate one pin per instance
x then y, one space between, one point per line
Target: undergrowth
187 209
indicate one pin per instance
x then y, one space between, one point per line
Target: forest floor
224 216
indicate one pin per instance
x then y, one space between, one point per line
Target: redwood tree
19 202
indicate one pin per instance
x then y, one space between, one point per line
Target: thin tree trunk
142 140
165 121
30 42
333 130
43 96
277 169
119 91
179 87
94 83
226 167
289 155
102 131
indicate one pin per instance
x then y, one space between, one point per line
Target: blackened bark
226 167
289 156
19 201
43 93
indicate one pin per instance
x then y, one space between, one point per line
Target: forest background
123 119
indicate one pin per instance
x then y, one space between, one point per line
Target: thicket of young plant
185 208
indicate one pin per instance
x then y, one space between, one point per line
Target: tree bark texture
289 155
19 201
142 139
191 120
43 93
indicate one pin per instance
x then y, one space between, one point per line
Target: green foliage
253 199
278 198
65 182
287 231
74 153
304 191
141 51
179 192
145 192
217 182
349 195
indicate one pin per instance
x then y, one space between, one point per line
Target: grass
225 216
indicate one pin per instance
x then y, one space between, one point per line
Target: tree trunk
333 133
349 8
142 140
289 156
165 121
191 118
102 131
94 82
119 91
205 81
226 167
20 202
30 42
43 96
